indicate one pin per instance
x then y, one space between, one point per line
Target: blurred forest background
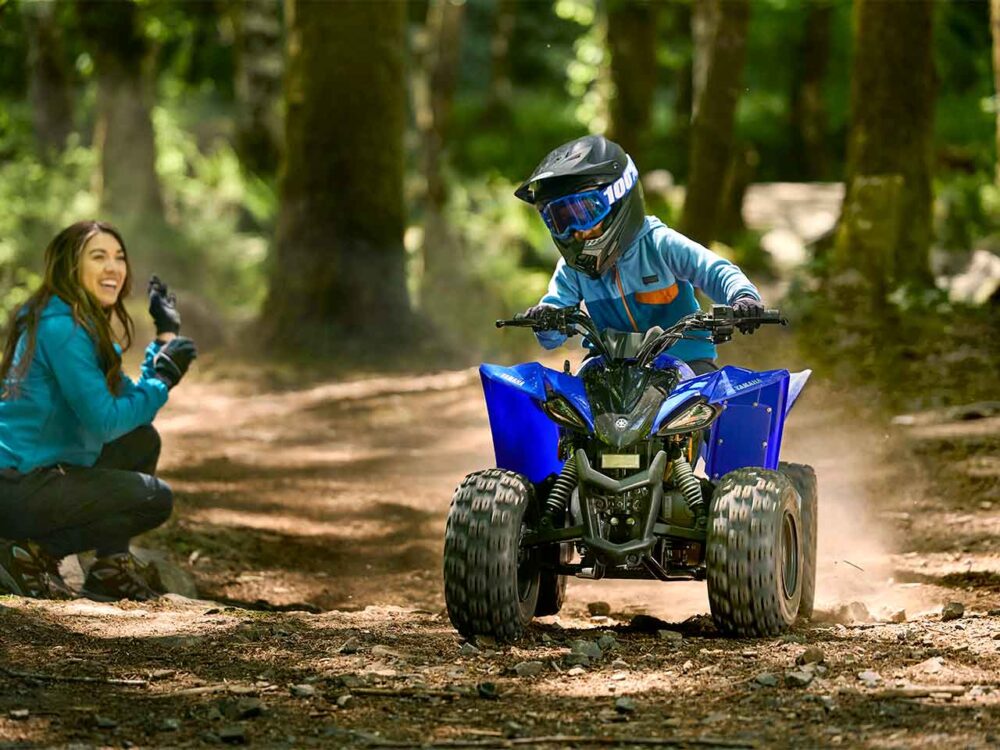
334 179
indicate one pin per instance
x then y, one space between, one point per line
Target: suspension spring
556 502
689 485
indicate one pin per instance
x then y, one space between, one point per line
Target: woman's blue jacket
63 412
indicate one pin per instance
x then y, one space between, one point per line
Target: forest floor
312 522
330 502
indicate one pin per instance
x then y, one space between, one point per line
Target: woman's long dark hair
62 279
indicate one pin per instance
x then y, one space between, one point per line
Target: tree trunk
259 69
130 189
338 267
704 24
632 41
679 33
501 89
48 84
890 142
444 34
808 111
712 130
995 25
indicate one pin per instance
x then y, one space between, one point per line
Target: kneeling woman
78 451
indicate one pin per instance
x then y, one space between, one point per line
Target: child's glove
172 361
163 307
748 307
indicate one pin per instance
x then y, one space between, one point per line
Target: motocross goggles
575 213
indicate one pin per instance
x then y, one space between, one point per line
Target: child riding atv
632 271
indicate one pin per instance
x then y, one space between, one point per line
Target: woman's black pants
70 509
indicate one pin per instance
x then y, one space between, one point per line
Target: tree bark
892 119
995 26
712 129
501 89
808 110
338 266
632 41
259 70
444 34
678 32
48 83
130 188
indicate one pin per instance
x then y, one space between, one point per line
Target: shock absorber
562 490
689 486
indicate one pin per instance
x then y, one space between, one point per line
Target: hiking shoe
58 588
22 571
117 577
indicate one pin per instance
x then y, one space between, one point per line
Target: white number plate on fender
620 461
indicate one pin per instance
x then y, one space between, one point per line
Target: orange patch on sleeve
658 296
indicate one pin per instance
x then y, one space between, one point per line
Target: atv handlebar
721 322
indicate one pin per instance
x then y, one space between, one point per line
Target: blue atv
595 478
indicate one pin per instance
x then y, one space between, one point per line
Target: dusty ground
331 501
312 522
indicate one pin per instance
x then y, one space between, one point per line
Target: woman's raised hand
163 307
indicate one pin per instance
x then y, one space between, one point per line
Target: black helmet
579 185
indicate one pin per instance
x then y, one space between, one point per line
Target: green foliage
208 200
541 121
966 210
38 200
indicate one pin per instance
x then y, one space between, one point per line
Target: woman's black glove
173 360
163 307
748 307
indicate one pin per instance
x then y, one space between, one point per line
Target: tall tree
498 101
338 269
124 136
632 26
715 112
808 110
48 84
885 226
995 26
259 68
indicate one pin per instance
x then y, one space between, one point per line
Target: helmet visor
575 213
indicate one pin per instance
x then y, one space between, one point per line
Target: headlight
696 417
560 412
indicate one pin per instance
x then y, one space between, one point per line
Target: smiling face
103 268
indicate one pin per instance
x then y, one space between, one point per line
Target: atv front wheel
803 478
490 584
754 553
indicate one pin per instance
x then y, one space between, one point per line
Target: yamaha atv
596 478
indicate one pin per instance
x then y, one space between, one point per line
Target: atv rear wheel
490 584
754 553
803 478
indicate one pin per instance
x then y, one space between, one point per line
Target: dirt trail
334 498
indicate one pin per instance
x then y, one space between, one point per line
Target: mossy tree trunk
889 159
130 188
808 110
48 82
337 273
712 129
632 26
259 70
677 32
995 26
499 99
